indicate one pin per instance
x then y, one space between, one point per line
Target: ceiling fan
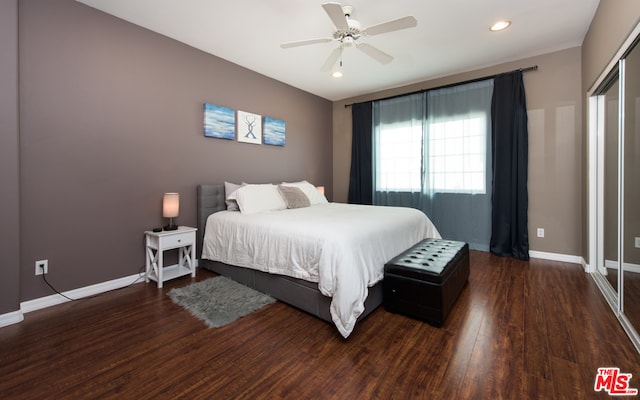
348 32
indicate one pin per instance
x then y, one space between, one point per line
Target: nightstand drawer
178 240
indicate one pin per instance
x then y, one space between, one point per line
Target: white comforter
342 247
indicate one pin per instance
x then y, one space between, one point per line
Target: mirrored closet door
608 265
631 193
614 141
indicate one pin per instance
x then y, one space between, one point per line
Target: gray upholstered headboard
210 200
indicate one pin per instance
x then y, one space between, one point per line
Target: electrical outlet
638 242
540 232
42 267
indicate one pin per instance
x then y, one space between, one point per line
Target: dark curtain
509 231
361 175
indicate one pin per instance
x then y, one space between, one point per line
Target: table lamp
170 208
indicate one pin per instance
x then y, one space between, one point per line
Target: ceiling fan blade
304 42
331 60
390 26
375 53
334 11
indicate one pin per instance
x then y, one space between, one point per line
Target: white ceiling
452 36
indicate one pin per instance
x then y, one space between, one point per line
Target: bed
259 248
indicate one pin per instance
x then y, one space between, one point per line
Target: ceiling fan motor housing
347 36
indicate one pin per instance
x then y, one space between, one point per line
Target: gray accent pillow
293 197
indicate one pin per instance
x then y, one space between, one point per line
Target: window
457 155
400 159
433 142
432 151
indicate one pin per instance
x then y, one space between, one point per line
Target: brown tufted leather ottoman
424 281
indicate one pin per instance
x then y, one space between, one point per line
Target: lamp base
170 227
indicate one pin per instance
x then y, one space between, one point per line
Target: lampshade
170 205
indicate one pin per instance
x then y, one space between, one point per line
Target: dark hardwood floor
631 293
632 297
520 330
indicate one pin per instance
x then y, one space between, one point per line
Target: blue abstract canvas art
273 131
219 122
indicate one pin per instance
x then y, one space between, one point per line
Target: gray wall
111 117
554 102
613 22
9 160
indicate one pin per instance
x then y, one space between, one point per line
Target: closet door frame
596 140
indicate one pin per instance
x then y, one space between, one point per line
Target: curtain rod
527 69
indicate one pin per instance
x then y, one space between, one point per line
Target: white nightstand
183 239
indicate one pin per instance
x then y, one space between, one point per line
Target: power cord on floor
140 276
54 289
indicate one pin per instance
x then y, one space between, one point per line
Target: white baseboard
48 301
55 299
11 318
587 267
628 267
556 257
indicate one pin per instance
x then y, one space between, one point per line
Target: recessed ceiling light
500 25
337 74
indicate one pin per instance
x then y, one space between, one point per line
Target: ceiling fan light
337 74
500 25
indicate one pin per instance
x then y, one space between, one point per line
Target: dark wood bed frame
296 292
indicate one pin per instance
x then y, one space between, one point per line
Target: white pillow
312 192
229 188
258 198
